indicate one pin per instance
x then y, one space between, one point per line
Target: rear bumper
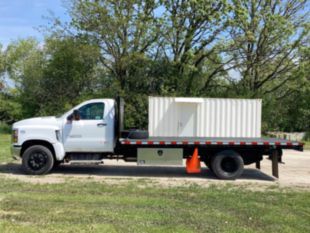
15 151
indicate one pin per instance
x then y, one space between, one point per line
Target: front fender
59 151
43 133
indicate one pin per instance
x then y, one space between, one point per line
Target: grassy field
5 142
307 145
140 207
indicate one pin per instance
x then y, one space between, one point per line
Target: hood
49 121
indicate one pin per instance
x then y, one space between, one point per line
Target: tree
136 48
191 33
292 111
265 37
121 29
25 65
9 107
69 74
51 78
2 67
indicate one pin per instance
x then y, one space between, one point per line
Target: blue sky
21 18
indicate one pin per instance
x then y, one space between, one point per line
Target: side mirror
76 115
70 117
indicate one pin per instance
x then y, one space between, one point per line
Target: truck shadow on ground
133 171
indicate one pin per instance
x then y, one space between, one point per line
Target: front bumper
15 151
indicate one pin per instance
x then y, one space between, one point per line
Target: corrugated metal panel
161 116
212 117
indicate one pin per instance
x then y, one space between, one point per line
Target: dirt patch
295 172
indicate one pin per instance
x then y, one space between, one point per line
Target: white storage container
204 117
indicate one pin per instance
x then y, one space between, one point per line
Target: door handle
101 124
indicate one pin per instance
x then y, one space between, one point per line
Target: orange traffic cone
193 163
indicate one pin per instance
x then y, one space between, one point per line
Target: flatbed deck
208 141
265 146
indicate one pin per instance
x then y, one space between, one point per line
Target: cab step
96 162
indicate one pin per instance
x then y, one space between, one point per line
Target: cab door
90 132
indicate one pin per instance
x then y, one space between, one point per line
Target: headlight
15 135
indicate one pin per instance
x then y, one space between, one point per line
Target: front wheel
37 160
227 165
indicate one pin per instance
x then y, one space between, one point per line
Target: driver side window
92 111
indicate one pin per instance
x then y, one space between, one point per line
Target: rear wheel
37 160
227 165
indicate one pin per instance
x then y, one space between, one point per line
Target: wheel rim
229 165
37 160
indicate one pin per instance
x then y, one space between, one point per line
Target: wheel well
30 143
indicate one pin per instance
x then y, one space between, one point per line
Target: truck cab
88 128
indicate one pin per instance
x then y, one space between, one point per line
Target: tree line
137 48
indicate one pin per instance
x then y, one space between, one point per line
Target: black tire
37 160
227 165
138 134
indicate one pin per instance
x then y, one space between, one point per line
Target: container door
187 120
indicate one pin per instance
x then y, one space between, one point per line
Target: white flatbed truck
93 131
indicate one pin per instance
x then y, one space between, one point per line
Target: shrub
307 136
5 128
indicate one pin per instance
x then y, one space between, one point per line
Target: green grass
140 206
88 206
307 145
5 128
5 143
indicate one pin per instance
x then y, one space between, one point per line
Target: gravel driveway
294 172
